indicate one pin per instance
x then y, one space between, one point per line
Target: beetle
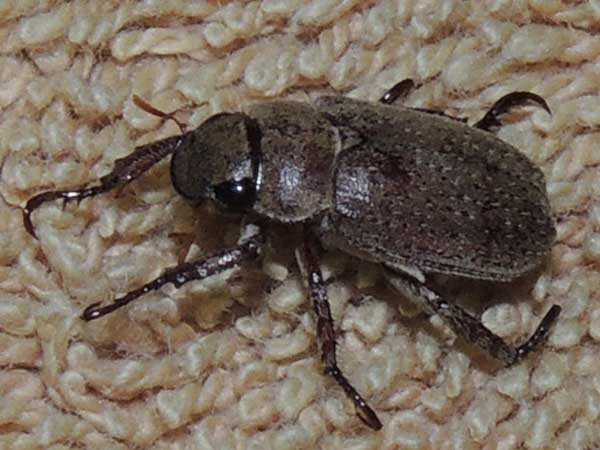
414 190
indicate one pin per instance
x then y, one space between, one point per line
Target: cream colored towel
222 364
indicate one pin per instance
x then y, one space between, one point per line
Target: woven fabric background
232 363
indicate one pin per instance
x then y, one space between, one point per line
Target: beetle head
219 160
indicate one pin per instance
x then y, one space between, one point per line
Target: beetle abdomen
436 194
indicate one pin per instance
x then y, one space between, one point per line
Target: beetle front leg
248 249
470 327
505 104
326 333
126 169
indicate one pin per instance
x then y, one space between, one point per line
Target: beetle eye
236 195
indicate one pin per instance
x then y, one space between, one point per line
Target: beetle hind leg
309 265
470 327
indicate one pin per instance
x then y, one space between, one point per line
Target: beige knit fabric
232 363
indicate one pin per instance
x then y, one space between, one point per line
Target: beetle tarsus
363 410
399 90
505 104
36 201
539 337
96 310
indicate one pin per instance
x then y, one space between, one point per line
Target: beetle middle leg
247 249
326 332
470 327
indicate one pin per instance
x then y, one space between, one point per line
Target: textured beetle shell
426 191
298 147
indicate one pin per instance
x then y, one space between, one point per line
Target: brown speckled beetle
412 189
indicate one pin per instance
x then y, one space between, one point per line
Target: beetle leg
248 249
470 327
441 113
402 89
505 104
125 170
326 333
399 90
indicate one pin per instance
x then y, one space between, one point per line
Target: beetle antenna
143 104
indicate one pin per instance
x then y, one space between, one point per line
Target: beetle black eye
236 195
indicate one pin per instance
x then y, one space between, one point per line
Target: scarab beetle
411 189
